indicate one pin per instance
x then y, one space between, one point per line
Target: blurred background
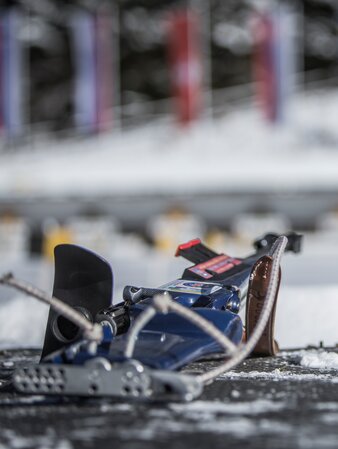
132 126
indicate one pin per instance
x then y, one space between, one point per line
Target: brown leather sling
257 291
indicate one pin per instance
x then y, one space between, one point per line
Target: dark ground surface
263 403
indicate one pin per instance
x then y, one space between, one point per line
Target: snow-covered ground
235 153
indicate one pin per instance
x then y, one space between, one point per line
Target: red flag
264 66
185 65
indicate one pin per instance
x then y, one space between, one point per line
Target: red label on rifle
219 265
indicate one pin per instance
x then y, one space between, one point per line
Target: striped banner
93 56
11 74
274 60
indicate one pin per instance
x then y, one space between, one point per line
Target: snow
239 419
23 322
209 157
325 361
318 359
301 320
278 375
203 409
48 440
